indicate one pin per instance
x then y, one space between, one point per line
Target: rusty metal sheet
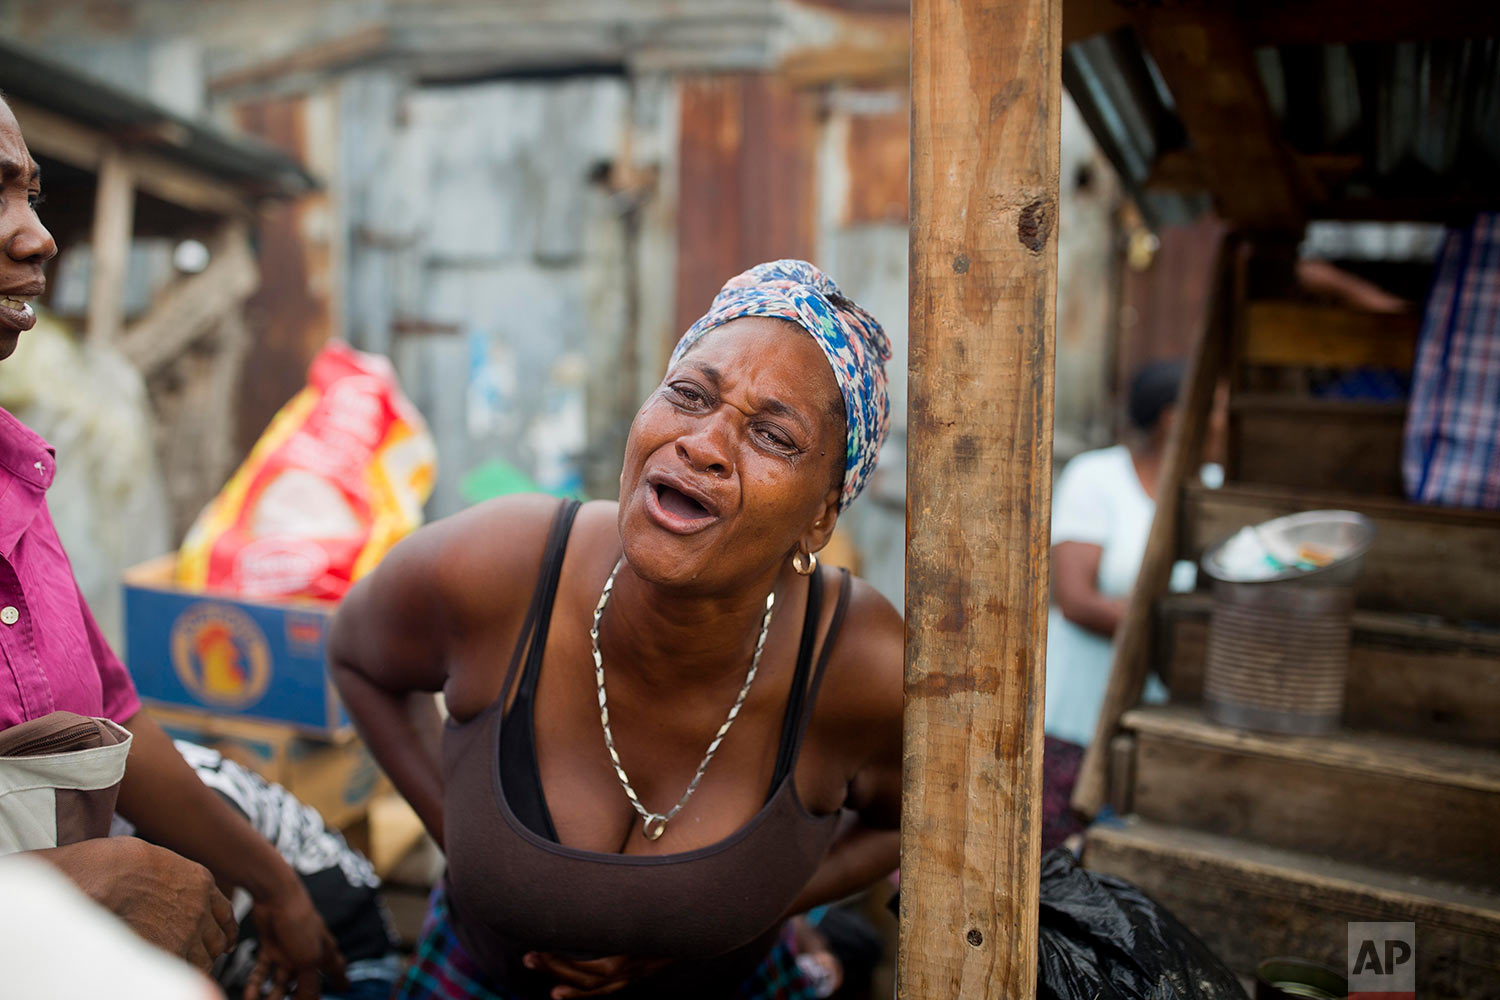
292 314
747 182
879 153
1162 307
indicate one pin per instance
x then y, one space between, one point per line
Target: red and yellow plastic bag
338 477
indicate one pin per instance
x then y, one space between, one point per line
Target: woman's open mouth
676 510
16 313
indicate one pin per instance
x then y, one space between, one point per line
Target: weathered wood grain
114 221
1210 70
985 115
1397 802
194 305
63 139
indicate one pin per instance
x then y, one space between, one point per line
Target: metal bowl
1343 535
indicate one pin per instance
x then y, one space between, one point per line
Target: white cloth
57 944
1099 500
29 787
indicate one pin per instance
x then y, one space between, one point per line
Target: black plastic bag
1101 938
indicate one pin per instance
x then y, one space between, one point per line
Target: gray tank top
717 909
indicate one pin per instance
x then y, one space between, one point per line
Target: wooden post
114 220
984 164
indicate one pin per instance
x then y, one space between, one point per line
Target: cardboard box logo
304 634
220 655
1382 961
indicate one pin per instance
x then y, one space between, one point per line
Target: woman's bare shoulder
863 683
478 563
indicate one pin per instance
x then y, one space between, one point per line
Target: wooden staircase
1269 844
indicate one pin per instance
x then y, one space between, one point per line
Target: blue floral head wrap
854 344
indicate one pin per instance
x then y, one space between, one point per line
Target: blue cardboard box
247 659
337 778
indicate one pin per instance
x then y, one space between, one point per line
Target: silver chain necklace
655 824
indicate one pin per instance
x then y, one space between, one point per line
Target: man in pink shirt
55 659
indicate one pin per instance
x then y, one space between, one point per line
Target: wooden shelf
1249 902
1299 334
1428 560
1426 807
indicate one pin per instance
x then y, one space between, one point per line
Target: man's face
25 244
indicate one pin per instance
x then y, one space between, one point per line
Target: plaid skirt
1061 761
1451 454
442 970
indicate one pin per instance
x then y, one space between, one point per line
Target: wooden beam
868 48
114 221
77 145
59 138
172 182
195 305
986 82
1209 68
1184 455
197 443
360 45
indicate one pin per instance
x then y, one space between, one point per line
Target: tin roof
1276 116
252 167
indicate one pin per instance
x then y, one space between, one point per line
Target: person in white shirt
1102 508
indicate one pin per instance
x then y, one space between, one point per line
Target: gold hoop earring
805 563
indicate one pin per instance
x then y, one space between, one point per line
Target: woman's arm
860 857
395 639
1075 576
864 689
387 653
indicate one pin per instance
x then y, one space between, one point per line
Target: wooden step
1303 335
1414 805
1426 560
1317 444
1249 902
1407 674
